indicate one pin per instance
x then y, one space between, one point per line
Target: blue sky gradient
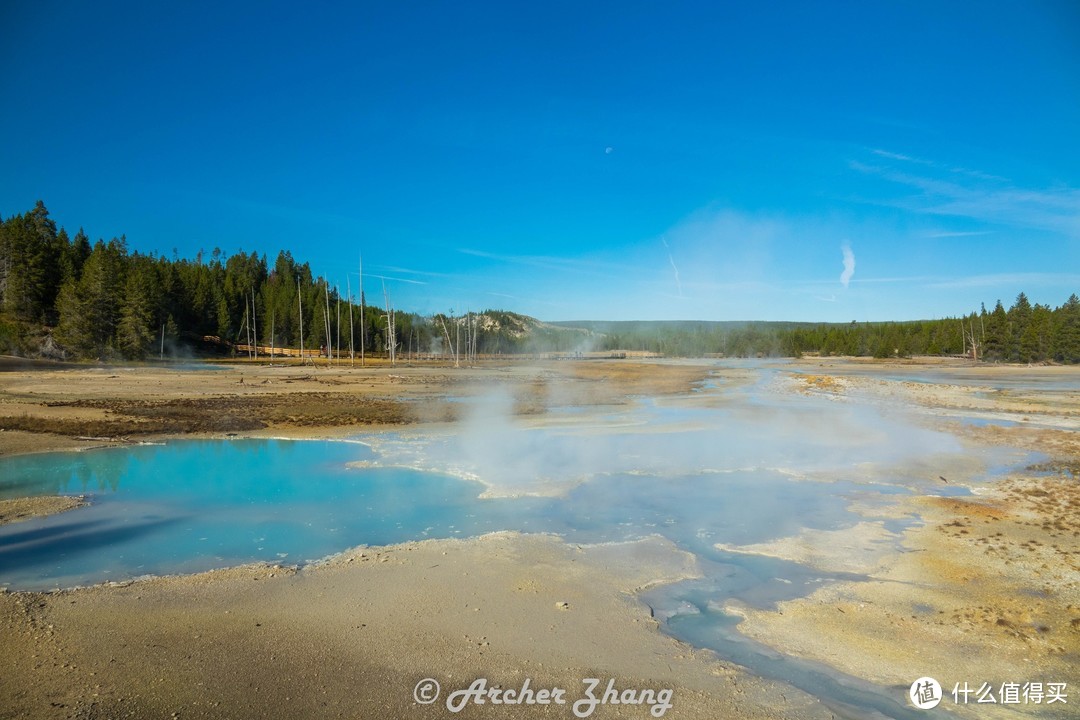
570 160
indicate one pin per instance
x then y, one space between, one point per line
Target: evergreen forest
66 297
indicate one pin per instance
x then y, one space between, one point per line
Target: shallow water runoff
707 475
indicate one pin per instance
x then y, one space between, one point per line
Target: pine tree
995 347
90 309
1035 345
74 331
134 332
224 322
1019 318
1067 331
29 265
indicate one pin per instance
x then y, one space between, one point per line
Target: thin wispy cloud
961 192
849 265
410 271
1018 280
549 262
537 261
395 279
908 279
900 156
968 233
1026 279
671 260
977 174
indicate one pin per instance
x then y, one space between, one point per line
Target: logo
925 693
426 691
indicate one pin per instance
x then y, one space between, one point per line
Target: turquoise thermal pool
702 477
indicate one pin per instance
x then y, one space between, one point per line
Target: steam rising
849 265
800 437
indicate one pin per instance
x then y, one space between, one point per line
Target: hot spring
709 476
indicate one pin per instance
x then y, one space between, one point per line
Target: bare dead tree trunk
363 316
352 352
254 324
247 328
391 331
300 300
326 311
446 332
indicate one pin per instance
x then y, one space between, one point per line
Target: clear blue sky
570 160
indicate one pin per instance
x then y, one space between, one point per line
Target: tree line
1024 333
64 296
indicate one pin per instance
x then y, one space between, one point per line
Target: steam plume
849 265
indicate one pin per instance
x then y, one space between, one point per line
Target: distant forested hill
1023 333
65 297
693 338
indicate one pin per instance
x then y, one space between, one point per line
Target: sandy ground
353 637
985 588
16 509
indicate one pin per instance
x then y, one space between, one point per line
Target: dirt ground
16 509
57 408
985 588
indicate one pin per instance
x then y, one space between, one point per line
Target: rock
562 605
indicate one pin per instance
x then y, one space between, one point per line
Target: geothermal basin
774 495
